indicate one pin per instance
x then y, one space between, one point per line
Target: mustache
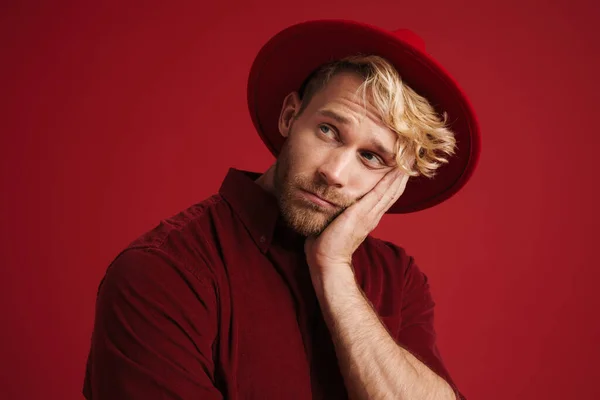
324 191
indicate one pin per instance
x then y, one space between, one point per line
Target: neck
266 180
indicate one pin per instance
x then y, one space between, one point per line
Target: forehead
342 95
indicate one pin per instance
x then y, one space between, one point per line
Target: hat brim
285 61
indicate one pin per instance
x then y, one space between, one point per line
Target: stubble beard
304 217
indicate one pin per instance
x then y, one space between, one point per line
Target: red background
114 116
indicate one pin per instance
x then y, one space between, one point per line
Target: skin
339 150
337 161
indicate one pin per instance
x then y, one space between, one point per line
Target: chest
279 344
278 339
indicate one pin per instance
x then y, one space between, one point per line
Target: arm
147 343
373 365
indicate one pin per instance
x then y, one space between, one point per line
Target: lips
327 202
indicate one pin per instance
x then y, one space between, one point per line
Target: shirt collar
255 207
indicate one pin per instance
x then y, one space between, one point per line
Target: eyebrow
382 149
340 119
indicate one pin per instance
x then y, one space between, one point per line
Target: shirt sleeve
154 329
417 333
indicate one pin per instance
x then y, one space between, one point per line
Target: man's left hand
332 250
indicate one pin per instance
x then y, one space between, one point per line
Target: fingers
381 188
392 194
403 181
385 193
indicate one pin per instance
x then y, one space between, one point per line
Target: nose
335 169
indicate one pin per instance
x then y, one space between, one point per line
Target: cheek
363 183
305 152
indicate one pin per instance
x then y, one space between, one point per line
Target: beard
303 216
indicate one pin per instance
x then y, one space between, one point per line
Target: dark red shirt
217 303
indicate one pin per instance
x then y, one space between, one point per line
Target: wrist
334 281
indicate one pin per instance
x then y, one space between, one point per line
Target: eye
371 158
327 130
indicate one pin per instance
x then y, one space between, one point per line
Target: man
273 288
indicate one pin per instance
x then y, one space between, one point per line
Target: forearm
373 365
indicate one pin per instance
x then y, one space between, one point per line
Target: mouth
310 196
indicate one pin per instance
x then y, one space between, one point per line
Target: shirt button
263 239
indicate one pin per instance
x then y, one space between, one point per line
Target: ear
289 110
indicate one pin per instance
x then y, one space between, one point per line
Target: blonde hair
424 140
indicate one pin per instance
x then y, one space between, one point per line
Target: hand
334 247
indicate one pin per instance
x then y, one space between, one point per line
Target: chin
307 231
307 221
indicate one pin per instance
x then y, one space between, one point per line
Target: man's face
335 152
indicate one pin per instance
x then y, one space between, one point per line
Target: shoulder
385 258
192 221
385 253
183 245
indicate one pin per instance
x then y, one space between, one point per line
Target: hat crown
293 50
410 37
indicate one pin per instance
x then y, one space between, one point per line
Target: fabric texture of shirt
216 302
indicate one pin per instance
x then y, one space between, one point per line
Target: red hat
288 58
